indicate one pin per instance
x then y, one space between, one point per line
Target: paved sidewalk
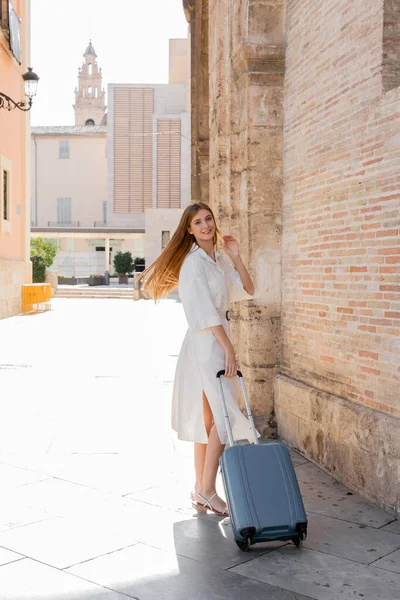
94 500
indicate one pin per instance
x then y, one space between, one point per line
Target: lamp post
31 81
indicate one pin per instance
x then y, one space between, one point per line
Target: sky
130 38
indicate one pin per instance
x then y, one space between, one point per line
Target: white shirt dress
206 289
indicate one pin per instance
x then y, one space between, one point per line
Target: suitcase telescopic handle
225 409
222 372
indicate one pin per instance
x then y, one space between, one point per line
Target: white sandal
207 504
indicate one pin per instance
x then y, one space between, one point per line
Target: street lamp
31 81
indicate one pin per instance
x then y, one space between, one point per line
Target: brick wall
341 251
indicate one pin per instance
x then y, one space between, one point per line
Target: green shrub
38 269
46 249
123 263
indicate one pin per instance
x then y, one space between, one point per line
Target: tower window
90 90
89 122
96 93
90 69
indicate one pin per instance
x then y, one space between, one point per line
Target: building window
63 151
168 163
14 28
165 235
89 90
90 69
5 194
64 210
89 122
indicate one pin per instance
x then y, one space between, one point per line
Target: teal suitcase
261 488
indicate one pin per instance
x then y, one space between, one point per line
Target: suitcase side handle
225 410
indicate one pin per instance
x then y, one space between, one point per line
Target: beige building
69 199
99 189
15 264
295 141
149 153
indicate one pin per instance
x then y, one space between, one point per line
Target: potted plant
123 265
96 280
139 264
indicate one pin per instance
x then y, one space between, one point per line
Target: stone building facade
296 145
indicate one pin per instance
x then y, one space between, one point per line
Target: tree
123 263
42 255
46 249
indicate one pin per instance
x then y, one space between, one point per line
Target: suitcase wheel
244 546
297 540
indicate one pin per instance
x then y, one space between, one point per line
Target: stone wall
305 172
340 246
13 273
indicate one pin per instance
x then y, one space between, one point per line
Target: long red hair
162 276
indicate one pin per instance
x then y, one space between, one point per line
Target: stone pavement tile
62 542
211 543
391 562
6 556
31 580
151 574
205 539
13 475
54 497
17 509
349 540
394 526
297 458
324 495
321 576
112 473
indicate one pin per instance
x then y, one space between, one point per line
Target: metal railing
75 224
66 224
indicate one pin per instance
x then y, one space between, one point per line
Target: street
95 487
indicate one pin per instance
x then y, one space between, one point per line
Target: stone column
196 12
246 67
107 256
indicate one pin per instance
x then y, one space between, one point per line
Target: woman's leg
208 486
200 449
207 460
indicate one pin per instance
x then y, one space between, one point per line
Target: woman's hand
230 246
230 362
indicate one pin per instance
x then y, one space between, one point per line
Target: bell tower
89 96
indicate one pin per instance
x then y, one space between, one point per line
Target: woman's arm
230 360
231 247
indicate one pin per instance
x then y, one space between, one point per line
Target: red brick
358 269
367 354
371 371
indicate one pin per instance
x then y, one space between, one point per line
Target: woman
207 284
